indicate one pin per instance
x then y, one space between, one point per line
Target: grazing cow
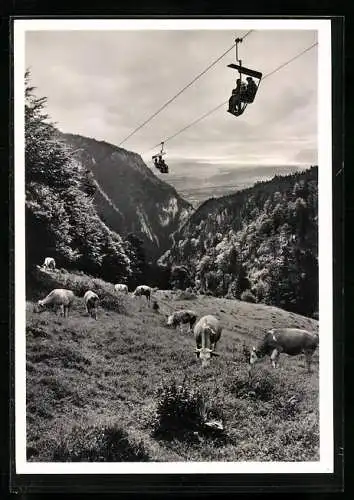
91 300
121 288
143 290
207 333
49 263
58 297
182 317
291 341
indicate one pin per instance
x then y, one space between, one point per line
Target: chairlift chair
159 163
244 99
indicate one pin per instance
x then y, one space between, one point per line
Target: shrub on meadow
183 413
186 295
247 296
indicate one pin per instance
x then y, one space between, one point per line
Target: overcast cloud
103 84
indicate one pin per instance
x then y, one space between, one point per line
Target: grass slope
92 385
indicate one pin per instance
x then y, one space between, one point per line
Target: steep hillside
127 388
129 197
262 240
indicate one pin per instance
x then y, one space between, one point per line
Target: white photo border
326 462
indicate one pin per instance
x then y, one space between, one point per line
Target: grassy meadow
127 388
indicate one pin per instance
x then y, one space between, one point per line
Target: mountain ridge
129 197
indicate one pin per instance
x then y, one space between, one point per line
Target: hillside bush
180 278
182 413
186 295
104 443
247 296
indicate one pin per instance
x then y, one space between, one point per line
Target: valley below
198 188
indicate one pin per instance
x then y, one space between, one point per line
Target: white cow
119 287
207 333
143 290
58 297
91 300
49 263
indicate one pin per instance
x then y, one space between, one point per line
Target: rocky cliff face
129 197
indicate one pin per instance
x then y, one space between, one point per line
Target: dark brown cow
292 341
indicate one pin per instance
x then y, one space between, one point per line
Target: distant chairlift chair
159 162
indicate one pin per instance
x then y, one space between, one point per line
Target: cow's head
205 354
171 321
38 307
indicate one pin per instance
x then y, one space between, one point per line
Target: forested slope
261 242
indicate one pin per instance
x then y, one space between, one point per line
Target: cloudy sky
104 84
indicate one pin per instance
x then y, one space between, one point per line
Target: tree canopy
263 240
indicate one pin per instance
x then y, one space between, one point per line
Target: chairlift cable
290 60
181 91
223 103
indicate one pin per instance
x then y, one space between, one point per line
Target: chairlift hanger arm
161 153
237 41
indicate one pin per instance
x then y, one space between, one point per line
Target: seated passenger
163 166
235 96
251 89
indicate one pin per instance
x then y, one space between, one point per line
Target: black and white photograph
173 246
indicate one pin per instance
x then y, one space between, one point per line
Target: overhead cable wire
223 103
181 91
290 60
